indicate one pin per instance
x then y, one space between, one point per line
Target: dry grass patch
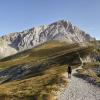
87 71
48 83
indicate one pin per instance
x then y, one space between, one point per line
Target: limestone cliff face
60 30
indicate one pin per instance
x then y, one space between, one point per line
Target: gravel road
79 89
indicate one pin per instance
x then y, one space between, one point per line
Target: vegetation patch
89 74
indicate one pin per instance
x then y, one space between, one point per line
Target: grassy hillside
91 71
38 73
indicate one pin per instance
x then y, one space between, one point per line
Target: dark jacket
69 69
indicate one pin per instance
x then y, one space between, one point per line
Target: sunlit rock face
61 30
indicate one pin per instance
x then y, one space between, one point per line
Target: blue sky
18 15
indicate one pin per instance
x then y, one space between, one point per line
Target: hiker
69 71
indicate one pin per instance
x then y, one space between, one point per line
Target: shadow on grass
17 98
23 71
87 78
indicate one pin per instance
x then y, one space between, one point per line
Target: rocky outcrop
60 30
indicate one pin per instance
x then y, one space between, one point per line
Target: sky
19 15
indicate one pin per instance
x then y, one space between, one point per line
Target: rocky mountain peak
61 30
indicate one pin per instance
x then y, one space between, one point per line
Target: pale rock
61 30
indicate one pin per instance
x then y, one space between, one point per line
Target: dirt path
79 89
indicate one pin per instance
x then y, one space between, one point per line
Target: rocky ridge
61 30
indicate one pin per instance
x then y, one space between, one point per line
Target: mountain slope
60 30
38 72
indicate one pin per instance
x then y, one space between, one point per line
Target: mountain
61 30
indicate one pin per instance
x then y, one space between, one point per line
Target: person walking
69 71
